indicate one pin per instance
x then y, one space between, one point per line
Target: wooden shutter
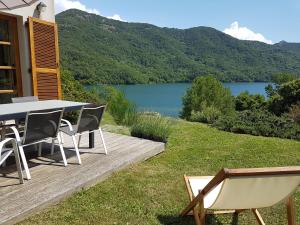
44 50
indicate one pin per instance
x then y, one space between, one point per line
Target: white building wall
22 15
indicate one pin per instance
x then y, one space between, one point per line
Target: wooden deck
51 181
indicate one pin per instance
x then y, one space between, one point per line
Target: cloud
116 17
62 5
243 33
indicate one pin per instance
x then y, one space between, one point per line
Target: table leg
91 139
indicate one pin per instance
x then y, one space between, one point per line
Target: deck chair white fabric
236 190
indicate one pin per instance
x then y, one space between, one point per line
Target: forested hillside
294 47
100 50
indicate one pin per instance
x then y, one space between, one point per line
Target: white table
19 110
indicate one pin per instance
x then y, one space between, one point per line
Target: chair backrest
40 125
255 188
24 99
90 118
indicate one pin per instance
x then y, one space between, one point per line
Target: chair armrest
16 133
6 141
7 125
67 122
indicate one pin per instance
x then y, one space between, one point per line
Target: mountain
293 47
100 50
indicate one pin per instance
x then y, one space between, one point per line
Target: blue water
167 98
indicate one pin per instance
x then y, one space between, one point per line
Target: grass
107 119
153 192
154 128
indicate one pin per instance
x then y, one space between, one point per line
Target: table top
19 110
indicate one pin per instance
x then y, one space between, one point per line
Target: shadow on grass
189 220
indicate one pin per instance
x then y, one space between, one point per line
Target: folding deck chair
236 190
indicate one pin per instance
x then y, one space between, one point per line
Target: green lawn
153 192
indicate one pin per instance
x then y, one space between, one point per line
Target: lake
167 98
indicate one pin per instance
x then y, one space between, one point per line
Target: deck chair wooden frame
196 205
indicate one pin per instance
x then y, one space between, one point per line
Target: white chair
40 126
88 121
237 190
21 100
18 122
5 152
24 99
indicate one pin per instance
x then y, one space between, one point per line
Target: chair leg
52 147
21 150
61 148
40 150
235 218
102 138
196 217
61 137
18 164
291 211
258 217
76 149
79 140
202 214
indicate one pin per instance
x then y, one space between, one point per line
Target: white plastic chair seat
198 183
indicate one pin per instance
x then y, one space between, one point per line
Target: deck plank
52 182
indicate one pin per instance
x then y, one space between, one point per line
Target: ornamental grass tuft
154 128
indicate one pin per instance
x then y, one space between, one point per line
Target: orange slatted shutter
43 38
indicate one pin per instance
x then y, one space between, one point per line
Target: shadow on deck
51 181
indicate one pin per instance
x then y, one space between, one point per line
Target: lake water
167 98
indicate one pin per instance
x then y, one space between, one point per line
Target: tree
287 95
207 93
279 79
73 90
246 101
282 78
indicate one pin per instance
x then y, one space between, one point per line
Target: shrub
123 111
209 114
294 113
260 122
246 101
205 93
154 128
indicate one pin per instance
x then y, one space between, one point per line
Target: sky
269 21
